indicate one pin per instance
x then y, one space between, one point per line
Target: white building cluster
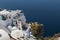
11 26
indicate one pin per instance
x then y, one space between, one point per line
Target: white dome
16 34
4 35
10 28
58 38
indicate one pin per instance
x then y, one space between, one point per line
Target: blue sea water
46 12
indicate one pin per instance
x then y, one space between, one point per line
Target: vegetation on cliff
37 30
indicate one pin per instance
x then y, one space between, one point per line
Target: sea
46 12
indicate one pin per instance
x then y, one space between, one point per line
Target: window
4 17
